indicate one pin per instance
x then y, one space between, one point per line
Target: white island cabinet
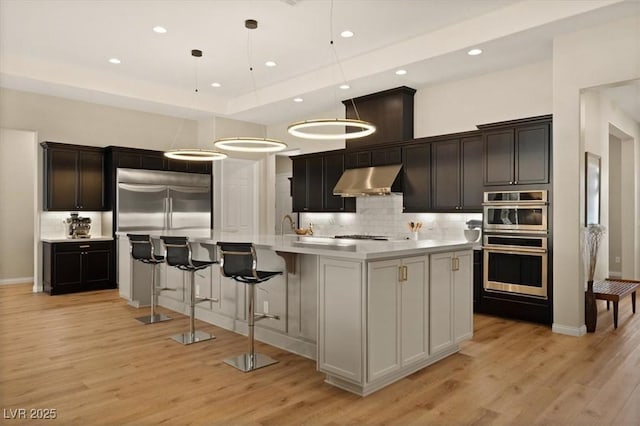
380 321
369 312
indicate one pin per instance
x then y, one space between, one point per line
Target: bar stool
178 254
239 262
142 250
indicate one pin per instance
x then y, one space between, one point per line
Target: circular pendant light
304 129
360 128
242 144
250 144
195 154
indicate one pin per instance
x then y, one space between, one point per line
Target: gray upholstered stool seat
239 262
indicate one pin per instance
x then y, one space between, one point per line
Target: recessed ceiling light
401 72
216 84
270 63
346 34
297 99
345 86
474 52
160 30
114 60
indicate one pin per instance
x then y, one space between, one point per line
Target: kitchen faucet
286 216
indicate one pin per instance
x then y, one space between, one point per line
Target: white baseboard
24 280
568 330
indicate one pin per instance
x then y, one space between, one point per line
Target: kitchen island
369 312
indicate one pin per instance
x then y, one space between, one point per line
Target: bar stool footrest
151 319
245 362
259 316
206 299
189 338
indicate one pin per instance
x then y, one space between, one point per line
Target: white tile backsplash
383 216
52 223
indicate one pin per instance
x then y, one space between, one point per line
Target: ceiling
62 48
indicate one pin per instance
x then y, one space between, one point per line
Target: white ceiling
62 48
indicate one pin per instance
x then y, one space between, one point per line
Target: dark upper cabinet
457 174
391 111
131 158
333 166
374 157
314 177
383 157
471 173
532 154
299 184
517 154
74 177
416 177
445 172
71 267
307 184
499 157
91 194
314 184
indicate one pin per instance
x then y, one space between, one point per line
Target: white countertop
325 246
74 240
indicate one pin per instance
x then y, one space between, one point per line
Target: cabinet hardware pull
404 273
400 273
455 264
85 246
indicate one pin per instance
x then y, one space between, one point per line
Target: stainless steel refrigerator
159 200
148 200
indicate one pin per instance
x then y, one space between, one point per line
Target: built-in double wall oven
515 234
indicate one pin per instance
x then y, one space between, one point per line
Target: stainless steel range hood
367 181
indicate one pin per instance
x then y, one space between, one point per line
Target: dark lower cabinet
71 267
477 279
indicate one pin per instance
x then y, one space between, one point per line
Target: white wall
504 95
17 180
581 60
82 123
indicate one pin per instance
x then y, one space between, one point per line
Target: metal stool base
246 363
195 337
151 319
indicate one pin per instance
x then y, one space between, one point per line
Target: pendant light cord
250 62
335 55
195 58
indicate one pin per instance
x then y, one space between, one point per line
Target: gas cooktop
364 237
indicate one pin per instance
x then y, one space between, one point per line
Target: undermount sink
326 243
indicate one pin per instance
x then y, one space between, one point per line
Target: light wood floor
85 356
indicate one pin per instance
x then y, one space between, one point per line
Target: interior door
239 196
